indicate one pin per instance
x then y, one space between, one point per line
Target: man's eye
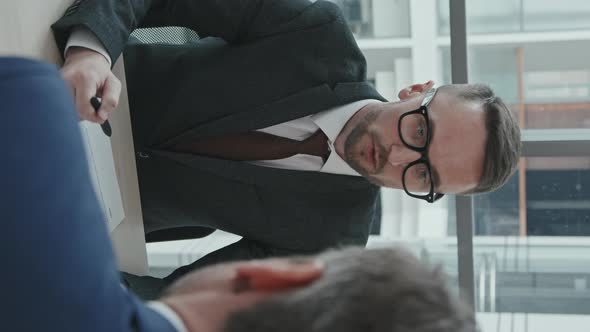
420 131
424 175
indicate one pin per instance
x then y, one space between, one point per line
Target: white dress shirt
168 314
82 37
331 123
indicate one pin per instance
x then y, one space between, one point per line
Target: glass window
376 18
556 194
532 236
548 91
498 16
389 69
509 16
525 322
549 15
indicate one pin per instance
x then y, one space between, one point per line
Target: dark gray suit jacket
270 62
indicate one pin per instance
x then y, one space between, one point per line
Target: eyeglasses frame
431 197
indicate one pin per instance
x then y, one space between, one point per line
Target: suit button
143 155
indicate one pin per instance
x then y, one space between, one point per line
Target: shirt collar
331 123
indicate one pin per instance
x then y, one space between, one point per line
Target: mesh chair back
165 35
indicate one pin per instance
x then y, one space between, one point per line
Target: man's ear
414 90
276 275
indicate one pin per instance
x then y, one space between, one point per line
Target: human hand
206 298
88 74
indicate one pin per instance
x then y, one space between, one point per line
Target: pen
106 126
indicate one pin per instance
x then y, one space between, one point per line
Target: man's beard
354 138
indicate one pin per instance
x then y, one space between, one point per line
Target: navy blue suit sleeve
58 268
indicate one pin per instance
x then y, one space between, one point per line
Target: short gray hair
503 146
377 290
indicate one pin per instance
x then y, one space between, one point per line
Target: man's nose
401 155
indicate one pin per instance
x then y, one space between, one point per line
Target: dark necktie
255 145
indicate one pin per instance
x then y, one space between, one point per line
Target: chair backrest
165 35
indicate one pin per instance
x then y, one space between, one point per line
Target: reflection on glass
376 18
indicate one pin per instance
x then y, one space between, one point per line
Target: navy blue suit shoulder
59 271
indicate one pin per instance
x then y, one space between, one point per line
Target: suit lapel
301 181
295 106
310 101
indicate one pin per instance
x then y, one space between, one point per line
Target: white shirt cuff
169 314
82 37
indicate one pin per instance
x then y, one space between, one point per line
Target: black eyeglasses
414 131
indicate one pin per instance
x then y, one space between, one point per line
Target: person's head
347 290
473 144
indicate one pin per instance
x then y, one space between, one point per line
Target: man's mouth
376 156
371 156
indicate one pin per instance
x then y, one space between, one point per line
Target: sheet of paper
102 172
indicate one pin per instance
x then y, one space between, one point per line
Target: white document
103 173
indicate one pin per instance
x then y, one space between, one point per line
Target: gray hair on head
373 290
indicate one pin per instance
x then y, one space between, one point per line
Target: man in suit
60 272
289 71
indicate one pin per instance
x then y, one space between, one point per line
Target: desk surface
25 31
